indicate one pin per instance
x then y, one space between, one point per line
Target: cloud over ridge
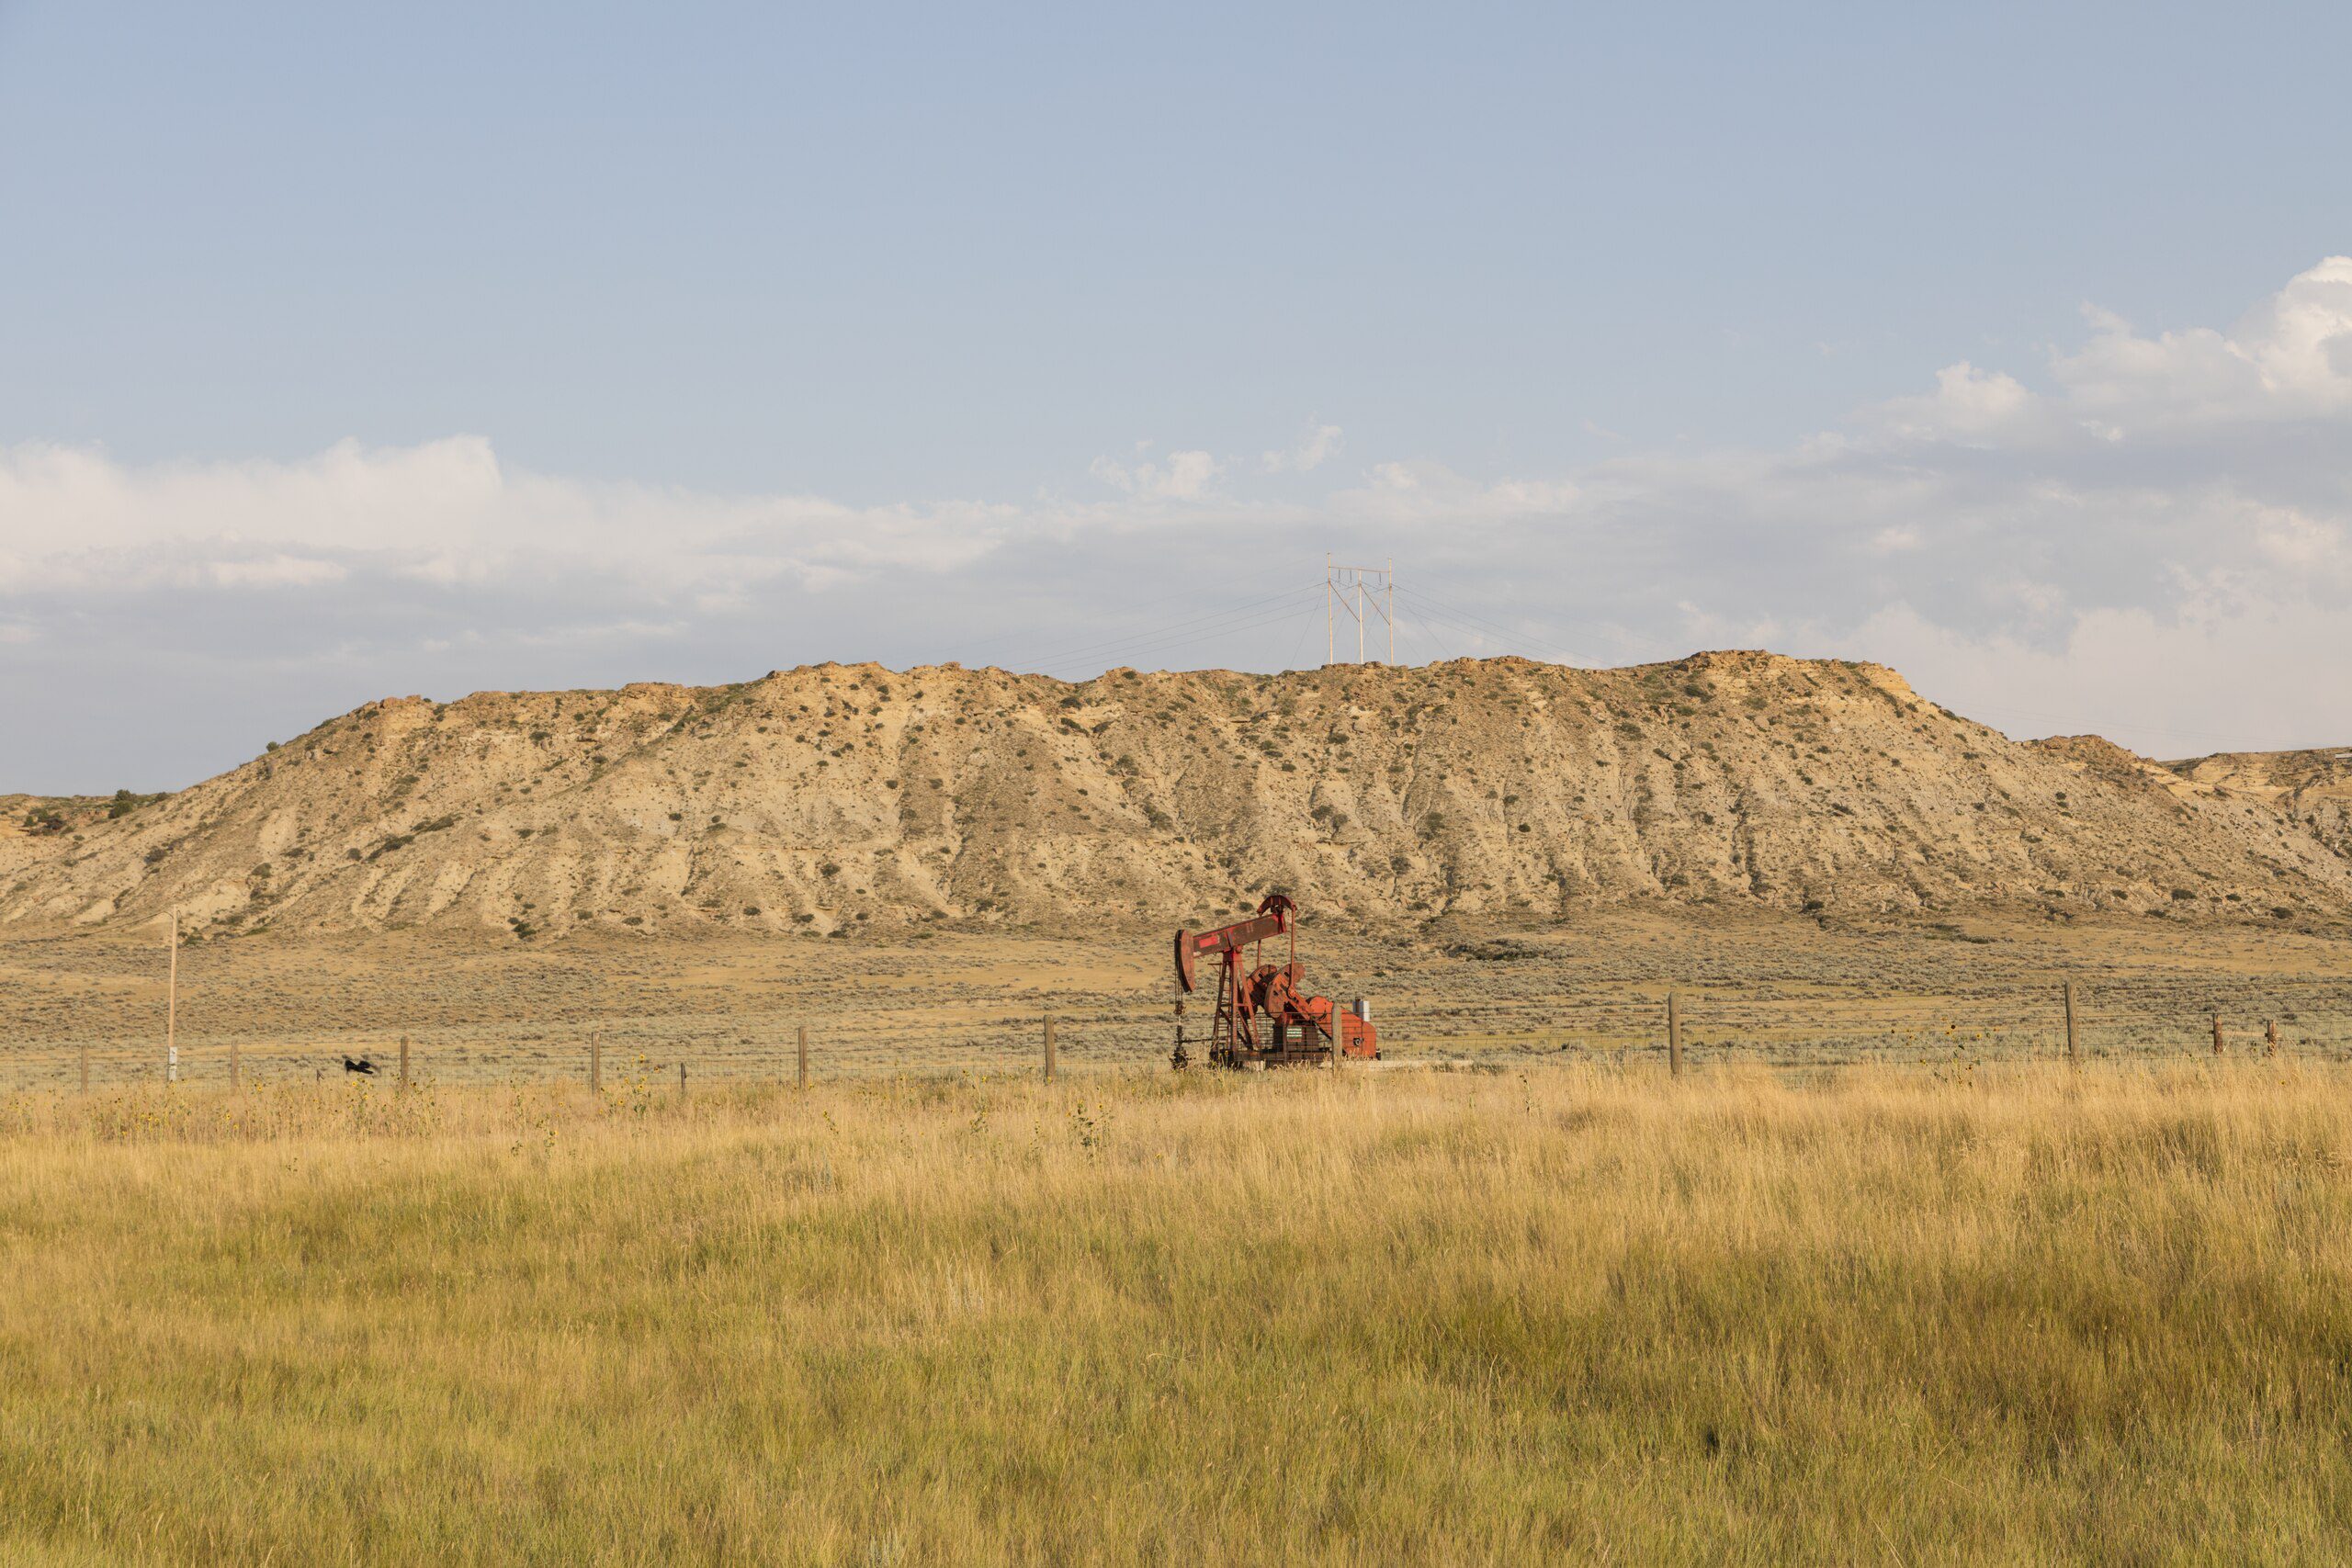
2150 527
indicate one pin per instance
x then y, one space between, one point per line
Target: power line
1508 641
1433 614
1425 640
1058 653
1426 630
1180 639
1062 653
1655 650
1306 624
1179 636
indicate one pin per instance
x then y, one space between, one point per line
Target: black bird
362 1066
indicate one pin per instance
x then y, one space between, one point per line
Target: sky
350 351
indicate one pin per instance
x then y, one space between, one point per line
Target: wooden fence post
2217 1035
2074 1041
171 1008
403 1061
595 1061
1673 1035
682 1081
236 1069
804 1057
1049 1047
83 1052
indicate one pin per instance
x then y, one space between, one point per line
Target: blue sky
429 348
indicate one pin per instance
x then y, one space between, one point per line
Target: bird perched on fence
362 1066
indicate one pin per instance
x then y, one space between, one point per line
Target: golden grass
1881 1315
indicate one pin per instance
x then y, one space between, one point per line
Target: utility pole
1350 588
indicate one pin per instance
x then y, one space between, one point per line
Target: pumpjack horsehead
1264 1016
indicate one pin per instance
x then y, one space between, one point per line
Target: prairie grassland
1882 1313
1753 988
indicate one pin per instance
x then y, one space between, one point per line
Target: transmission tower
1373 590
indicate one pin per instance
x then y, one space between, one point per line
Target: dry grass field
1928 1312
1754 988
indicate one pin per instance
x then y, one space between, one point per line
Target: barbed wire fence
1704 1024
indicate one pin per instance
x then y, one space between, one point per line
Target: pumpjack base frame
1280 1054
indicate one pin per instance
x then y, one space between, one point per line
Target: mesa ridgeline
848 797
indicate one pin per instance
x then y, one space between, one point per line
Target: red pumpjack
1264 1016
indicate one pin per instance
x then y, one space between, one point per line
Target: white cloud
279 570
2288 359
2144 534
1184 476
1968 405
446 512
1310 454
2207 675
1425 492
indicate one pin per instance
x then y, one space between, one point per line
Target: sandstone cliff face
851 796
2311 788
